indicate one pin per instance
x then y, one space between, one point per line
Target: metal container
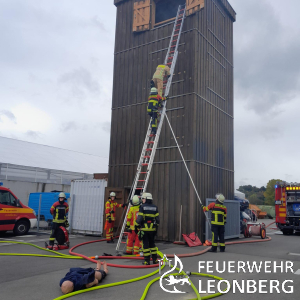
87 206
232 226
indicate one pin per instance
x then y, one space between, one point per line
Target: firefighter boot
146 261
154 259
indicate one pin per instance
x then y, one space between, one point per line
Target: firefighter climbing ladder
151 141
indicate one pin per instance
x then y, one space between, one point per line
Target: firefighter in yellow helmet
154 104
146 226
133 242
218 220
110 213
158 77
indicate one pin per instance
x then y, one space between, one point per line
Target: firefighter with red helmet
59 211
133 242
110 214
218 220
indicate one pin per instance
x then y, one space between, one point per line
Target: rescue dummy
218 220
80 278
133 242
154 104
110 214
158 77
59 211
146 226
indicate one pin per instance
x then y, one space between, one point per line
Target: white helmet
135 200
154 90
220 198
62 195
112 194
147 196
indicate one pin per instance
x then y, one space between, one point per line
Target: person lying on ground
80 278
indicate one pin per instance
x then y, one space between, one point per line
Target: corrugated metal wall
87 206
200 111
232 227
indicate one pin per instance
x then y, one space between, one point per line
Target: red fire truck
287 207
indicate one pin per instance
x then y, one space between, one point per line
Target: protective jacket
219 213
110 209
132 216
59 212
155 102
148 217
161 72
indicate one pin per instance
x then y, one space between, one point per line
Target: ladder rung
177 30
143 172
149 149
172 51
174 41
141 180
173 46
150 142
145 165
166 81
147 156
169 63
175 35
138 188
171 57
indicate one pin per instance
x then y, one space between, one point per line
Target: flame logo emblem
172 280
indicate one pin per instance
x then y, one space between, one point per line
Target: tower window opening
167 9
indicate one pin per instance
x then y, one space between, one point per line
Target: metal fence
87 206
232 227
32 174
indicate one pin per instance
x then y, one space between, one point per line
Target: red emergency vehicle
287 207
13 214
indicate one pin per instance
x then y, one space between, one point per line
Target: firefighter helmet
135 200
62 195
220 198
147 196
112 194
154 90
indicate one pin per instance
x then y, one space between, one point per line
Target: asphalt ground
38 278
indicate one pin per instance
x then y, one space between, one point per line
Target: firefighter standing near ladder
154 104
133 242
59 212
158 77
218 220
110 213
146 227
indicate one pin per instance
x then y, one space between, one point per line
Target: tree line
262 195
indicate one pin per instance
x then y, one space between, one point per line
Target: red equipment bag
192 239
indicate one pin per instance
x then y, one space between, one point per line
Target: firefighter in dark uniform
154 104
218 220
59 212
146 227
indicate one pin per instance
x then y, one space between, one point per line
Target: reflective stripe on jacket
148 217
132 216
111 206
218 213
59 212
161 72
155 102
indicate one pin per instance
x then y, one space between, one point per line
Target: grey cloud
33 134
267 68
80 82
69 126
96 22
8 114
106 126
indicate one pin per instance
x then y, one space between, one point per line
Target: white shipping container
87 206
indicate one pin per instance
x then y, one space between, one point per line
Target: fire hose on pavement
74 255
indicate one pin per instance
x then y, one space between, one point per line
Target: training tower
200 107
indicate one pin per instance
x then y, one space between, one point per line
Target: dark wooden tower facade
200 106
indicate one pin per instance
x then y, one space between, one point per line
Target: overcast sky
56 71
